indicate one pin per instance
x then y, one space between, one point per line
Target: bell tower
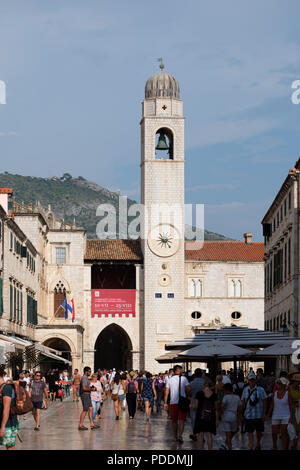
162 234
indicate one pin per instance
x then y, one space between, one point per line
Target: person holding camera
85 390
254 402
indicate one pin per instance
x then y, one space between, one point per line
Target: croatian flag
68 307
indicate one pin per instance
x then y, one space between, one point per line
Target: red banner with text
113 302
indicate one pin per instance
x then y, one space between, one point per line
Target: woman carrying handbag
117 394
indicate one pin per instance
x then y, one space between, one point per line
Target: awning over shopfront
41 350
5 347
171 356
14 349
18 342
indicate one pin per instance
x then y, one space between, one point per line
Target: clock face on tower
164 240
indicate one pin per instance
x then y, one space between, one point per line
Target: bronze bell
162 144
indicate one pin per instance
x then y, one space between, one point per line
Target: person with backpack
230 410
177 388
9 424
238 387
254 401
159 387
118 390
148 393
131 394
38 392
207 415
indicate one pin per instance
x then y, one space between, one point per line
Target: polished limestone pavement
59 430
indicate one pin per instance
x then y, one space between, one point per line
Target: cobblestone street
59 431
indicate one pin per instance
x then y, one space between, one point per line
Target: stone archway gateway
60 345
113 349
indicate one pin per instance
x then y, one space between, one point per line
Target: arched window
59 295
192 288
238 289
164 146
235 288
232 288
199 288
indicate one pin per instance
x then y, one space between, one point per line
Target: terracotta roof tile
225 251
113 250
130 250
6 191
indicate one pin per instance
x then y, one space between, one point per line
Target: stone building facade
281 231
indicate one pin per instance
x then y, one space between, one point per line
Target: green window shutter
15 304
28 309
35 312
10 301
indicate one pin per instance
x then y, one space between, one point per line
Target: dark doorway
60 345
113 349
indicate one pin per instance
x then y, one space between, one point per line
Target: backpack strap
249 396
1 388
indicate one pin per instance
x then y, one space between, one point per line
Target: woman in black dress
207 418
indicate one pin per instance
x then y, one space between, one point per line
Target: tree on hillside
66 177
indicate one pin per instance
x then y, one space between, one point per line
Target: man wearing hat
254 407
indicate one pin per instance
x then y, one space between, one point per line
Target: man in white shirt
225 378
27 379
172 388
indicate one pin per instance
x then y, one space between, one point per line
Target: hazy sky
75 74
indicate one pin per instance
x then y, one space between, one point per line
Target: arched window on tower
164 144
192 288
59 295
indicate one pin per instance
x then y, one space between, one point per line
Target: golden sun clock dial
164 240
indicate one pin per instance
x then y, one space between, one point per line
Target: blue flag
67 307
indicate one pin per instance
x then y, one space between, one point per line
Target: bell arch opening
113 349
164 144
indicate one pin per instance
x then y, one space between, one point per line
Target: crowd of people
232 402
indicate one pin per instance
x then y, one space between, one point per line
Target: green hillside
69 197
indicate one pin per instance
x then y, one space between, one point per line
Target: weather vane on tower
161 63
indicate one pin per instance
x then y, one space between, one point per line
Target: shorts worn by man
9 424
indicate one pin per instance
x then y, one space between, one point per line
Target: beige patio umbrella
213 352
215 348
282 348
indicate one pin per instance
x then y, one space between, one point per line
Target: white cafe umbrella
282 348
215 348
